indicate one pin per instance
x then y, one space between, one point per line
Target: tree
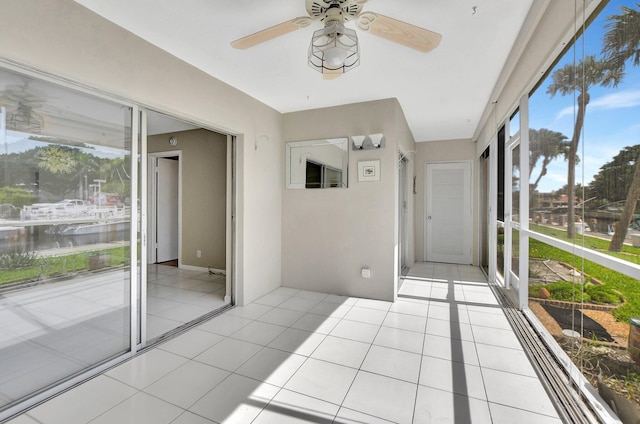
579 77
612 182
57 159
621 43
546 145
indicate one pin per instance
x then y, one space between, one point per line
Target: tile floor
445 354
177 296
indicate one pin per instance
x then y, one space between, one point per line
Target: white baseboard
203 269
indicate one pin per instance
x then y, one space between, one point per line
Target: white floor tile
229 354
405 322
288 407
438 406
285 291
393 363
410 288
157 326
322 380
382 397
343 300
331 309
316 323
311 295
185 312
89 400
449 329
504 359
257 332
411 307
186 384
299 304
448 312
191 343
237 399
224 324
147 368
517 391
283 317
297 341
395 338
489 320
374 304
495 337
23 419
191 418
366 315
505 415
443 374
354 330
341 351
445 348
250 311
272 299
349 416
271 366
140 409
364 360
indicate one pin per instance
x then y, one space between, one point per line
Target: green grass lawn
627 286
54 266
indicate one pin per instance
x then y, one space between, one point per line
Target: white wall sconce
367 142
357 141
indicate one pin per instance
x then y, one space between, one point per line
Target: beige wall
329 235
204 179
66 40
444 151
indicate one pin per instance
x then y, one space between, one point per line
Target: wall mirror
318 163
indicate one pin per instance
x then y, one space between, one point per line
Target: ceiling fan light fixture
334 49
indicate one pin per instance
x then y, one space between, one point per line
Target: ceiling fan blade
271 33
399 32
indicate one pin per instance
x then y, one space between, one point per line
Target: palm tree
546 145
579 77
621 43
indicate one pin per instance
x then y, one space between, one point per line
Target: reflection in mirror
318 163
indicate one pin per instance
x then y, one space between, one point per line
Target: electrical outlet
198 253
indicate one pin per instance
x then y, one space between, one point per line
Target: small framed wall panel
369 170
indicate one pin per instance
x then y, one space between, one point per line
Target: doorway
403 213
448 225
189 192
164 208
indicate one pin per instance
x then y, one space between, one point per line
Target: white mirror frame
298 153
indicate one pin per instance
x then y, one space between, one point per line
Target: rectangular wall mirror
318 163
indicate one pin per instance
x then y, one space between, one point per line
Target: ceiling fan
334 49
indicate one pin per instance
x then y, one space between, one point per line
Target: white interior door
448 230
167 209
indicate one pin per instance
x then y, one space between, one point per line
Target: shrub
18 258
18 197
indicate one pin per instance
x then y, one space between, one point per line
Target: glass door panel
65 220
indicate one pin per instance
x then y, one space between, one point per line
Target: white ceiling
443 93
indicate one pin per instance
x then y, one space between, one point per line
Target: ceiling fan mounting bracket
333 10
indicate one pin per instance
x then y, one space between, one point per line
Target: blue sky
18 142
612 121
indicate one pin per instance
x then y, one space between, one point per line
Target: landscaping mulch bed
569 319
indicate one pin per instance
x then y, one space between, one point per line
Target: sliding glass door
67 211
